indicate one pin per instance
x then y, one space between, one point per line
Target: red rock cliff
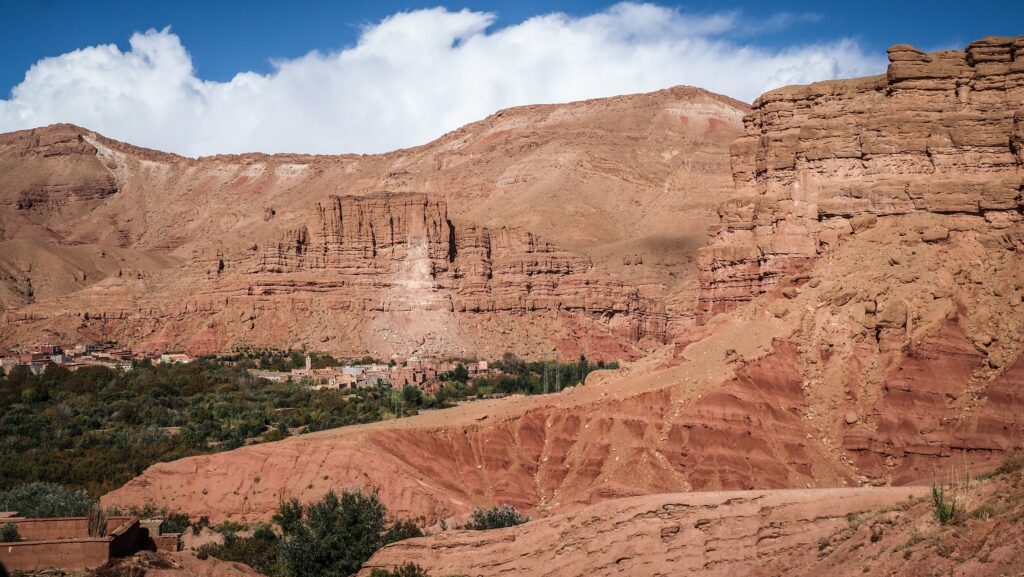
939 133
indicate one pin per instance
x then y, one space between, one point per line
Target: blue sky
210 43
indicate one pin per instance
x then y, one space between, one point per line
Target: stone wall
63 543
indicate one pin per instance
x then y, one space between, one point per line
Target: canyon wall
939 133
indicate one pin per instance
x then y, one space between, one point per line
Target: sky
199 78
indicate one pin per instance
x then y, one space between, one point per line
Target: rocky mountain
543 230
867 281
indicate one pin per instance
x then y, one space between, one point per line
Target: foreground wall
63 543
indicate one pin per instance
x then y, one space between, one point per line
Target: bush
1014 463
332 537
407 570
947 507
175 523
260 553
45 500
401 530
289 516
495 518
97 525
336 536
9 533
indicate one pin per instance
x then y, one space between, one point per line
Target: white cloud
409 78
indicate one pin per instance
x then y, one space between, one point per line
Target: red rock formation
711 533
840 532
564 236
938 134
550 453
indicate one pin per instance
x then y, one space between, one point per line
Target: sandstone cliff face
940 133
887 214
547 230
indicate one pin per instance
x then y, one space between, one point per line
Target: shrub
260 553
1014 463
947 507
97 522
197 528
289 516
9 533
264 532
984 512
401 530
175 523
337 535
407 570
495 518
45 500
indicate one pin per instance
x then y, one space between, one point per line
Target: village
426 374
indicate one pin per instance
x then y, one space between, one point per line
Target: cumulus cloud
410 78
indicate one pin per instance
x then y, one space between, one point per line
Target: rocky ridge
573 210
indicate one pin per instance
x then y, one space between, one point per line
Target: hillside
539 229
842 532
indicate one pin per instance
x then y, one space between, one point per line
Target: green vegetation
278 360
261 552
407 570
332 537
536 378
948 507
174 523
1014 463
96 428
45 500
495 518
9 533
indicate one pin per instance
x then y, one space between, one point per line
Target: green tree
412 395
289 516
45 500
495 518
461 373
337 536
401 530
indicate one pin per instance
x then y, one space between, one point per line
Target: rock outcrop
708 534
804 533
939 133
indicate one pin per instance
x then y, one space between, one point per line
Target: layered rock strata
572 229
708 534
391 266
939 133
